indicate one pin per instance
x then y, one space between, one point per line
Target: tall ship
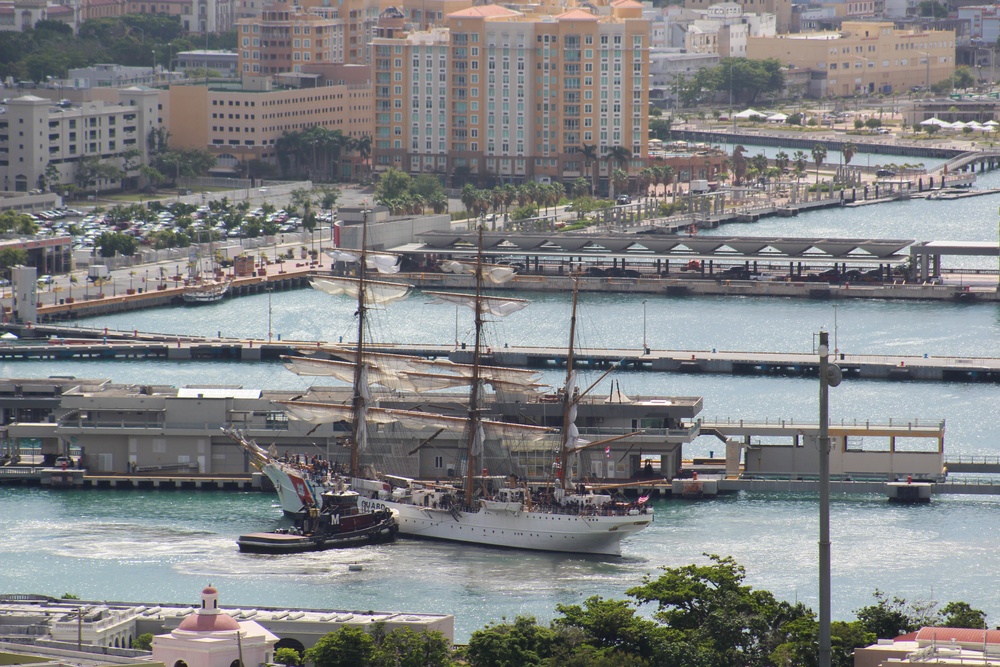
475 505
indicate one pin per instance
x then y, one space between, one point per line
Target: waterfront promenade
64 343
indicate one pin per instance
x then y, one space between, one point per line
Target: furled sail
494 305
380 261
400 377
328 413
494 273
402 362
375 291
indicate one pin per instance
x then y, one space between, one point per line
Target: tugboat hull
287 543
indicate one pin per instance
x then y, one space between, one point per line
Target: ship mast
568 399
475 427
358 428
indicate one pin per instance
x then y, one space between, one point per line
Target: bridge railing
914 423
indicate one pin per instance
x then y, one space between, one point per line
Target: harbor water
164 546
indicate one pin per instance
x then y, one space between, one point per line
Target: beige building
499 95
865 57
42 141
782 9
285 38
242 121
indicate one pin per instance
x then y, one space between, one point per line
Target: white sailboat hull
295 489
539 531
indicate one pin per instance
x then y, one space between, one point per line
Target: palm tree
645 179
496 199
849 150
468 197
509 197
619 180
619 156
668 178
819 154
739 164
589 152
363 145
781 161
799 159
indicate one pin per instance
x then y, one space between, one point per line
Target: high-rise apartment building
285 37
502 96
44 141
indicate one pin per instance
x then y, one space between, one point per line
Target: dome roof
210 590
209 623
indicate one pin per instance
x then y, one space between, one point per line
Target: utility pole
829 376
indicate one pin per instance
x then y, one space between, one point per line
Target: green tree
10 257
746 79
886 618
288 657
933 8
116 243
522 643
612 624
405 648
13 222
849 150
143 642
392 184
710 606
347 647
962 615
873 123
818 155
427 186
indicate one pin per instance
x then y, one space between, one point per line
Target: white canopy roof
935 121
778 117
750 113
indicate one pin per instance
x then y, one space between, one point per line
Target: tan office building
285 38
782 9
865 57
241 122
501 96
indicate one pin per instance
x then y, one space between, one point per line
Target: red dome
209 623
210 590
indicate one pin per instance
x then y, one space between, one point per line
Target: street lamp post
836 346
829 376
927 76
645 346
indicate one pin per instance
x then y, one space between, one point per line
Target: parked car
623 199
885 173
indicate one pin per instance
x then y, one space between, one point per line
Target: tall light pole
645 347
829 376
836 346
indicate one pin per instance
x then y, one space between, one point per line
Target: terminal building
199 635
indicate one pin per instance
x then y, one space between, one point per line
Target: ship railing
17 471
961 480
914 423
976 460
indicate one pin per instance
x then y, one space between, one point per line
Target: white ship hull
295 489
539 531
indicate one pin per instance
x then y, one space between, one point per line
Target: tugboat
336 524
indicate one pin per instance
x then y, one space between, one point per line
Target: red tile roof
484 11
968 636
577 15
